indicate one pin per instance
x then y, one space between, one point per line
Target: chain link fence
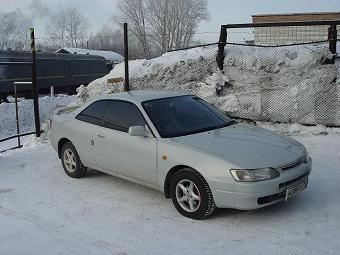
286 72
290 84
283 83
293 82
26 114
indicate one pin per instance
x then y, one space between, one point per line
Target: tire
71 162
191 194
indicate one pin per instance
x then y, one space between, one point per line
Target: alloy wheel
69 160
187 195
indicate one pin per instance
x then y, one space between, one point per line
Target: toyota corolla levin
181 145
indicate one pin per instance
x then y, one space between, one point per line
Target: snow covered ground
43 211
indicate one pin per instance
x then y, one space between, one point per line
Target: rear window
94 113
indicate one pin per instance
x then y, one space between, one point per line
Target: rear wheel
71 162
191 194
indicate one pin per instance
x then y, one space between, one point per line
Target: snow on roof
108 55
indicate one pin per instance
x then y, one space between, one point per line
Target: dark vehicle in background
65 72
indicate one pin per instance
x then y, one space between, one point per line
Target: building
292 34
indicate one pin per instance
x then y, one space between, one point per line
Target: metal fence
288 72
280 72
284 84
36 115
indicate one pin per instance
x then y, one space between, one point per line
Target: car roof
140 96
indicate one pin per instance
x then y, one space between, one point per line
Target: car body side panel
126 155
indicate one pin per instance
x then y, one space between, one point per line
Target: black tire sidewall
198 180
80 169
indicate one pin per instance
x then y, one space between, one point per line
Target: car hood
247 146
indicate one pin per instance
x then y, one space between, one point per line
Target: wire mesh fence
286 73
279 35
284 84
26 114
293 83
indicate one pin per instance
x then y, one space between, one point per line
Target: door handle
101 135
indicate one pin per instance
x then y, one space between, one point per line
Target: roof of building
108 55
142 95
296 14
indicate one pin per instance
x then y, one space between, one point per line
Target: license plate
292 191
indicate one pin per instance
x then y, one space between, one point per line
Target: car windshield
184 115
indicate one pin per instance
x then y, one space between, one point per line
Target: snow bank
26 114
287 84
182 70
298 129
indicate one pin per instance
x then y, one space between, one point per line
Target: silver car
181 145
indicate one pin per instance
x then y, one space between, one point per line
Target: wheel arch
169 176
61 143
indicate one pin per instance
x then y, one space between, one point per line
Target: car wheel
191 194
71 162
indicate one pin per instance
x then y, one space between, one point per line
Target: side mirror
138 131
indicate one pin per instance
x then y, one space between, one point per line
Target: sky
220 11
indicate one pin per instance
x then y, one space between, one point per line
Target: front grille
293 165
288 183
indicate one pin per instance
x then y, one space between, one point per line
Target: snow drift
287 84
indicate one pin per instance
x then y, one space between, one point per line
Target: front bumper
248 196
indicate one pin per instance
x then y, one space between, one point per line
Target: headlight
254 175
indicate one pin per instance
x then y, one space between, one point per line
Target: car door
84 128
118 152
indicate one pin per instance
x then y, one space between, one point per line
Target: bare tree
110 38
134 13
107 38
174 22
161 25
14 30
158 12
68 27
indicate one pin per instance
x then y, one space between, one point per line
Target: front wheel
191 194
71 162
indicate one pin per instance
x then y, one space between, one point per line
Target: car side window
94 113
122 115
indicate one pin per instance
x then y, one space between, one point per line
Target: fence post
126 59
221 44
332 37
34 86
17 114
52 91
